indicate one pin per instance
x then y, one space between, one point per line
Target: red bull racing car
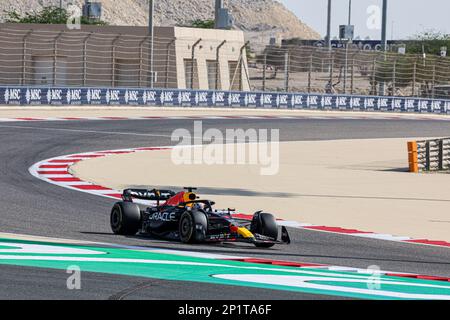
184 217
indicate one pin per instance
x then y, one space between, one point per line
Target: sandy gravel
354 184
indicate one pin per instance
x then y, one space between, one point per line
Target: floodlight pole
384 40
349 12
328 39
384 26
151 29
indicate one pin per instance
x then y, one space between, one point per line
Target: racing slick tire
266 225
193 226
125 218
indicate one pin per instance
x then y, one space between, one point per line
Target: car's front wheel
266 225
125 218
193 226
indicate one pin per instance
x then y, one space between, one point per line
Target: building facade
122 56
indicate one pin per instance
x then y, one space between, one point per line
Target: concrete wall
114 55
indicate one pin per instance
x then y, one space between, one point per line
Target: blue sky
419 15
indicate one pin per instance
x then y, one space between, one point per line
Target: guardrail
429 155
71 96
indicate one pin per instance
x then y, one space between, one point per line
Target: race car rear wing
145 194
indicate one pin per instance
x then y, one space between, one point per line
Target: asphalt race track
32 207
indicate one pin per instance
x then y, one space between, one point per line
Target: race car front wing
254 239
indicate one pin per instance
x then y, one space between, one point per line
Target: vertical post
345 67
241 65
352 79
309 72
331 71
384 26
218 63
433 89
151 29
264 72
166 80
384 39
349 12
55 60
85 59
328 39
414 79
141 60
192 62
113 62
374 86
24 55
60 9
286 71
412 157
441 154
218 6
394 77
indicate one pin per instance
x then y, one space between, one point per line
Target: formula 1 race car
183 217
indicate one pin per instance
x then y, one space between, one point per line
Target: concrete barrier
72 96
429 155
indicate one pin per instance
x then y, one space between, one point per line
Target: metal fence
429 155
86 59
349 71
92 59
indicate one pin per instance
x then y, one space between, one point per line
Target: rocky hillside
260 19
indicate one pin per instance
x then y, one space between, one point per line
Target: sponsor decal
396 104
313 102
298 101
250 100
282 101
149 97
167 97
113 97
409 105
94 96
383 104
423 106
218 99
266 100
234 99
73 96
341 103
436 106
356 103
33 96
327 102
370 104
201 99
13 96
131 97
446 107
184 98
55 96
163 216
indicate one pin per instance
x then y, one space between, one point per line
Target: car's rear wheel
193 226
266 225
125 218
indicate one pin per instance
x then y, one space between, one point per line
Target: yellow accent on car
245 233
